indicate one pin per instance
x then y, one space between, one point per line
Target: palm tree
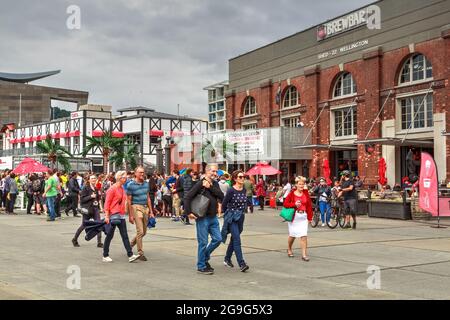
55 153
107 144
210 152
126 155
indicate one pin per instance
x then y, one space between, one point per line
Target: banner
428 185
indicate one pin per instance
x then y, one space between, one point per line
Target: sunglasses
240 177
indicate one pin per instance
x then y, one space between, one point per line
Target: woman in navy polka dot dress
235 205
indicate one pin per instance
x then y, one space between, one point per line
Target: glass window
345 85
345 122
249 126
291 97
220 105
291 122
417 112
416 68
212 107
212 117
250 106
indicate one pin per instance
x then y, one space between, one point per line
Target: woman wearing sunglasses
235 205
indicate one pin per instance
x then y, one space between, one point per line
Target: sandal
290 255
305 259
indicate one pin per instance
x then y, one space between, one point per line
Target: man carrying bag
204 198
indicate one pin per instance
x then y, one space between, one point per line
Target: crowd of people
177 196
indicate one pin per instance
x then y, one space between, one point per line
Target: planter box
389 209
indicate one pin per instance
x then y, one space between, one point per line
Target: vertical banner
428 185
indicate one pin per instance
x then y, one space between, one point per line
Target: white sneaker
133 258
323 224
107 259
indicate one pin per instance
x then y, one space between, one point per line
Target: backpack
36 186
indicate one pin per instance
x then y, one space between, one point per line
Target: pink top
115 201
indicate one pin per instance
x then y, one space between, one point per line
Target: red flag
382 172
428 185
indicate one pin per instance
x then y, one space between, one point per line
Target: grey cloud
148 52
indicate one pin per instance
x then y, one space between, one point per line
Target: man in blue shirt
139 208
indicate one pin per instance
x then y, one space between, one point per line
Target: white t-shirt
286 190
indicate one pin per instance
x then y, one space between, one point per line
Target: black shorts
350 206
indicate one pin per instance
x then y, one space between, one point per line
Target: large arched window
416 68
345 85
250 106
291 97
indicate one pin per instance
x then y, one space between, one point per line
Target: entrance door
416 159
345 160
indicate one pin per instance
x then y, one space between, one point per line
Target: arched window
250 106
345 85
416 68
291 97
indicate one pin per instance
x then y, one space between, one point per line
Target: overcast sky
154 53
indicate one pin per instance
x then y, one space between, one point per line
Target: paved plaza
414 260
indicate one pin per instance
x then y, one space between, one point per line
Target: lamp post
167 153
159 157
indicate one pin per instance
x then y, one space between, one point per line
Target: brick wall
375 74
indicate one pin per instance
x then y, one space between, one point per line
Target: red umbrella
262 169
382 172
29 165
326 171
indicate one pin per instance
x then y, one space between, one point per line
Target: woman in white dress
299 200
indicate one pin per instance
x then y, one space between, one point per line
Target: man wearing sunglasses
209 224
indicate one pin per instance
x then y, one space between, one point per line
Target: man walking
74 191
188 183
350 199
249 190
139 207
209 224
50 193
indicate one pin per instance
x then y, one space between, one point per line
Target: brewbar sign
369 16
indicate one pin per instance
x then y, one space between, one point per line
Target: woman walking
261 192
235 205
90 200
115 215
299 200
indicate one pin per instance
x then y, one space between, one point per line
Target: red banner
428 185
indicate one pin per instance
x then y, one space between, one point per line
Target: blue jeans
207 226
235 242
51 207
324 206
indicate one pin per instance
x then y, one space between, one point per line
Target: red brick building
365 94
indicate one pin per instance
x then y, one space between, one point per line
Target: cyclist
323 194
350 199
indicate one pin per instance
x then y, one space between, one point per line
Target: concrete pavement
37 259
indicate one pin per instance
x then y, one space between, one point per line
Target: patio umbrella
29 165
262 169
382 172
326 171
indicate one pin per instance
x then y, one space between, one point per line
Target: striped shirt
138 192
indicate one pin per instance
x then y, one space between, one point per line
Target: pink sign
428 185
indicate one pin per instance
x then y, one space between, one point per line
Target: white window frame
295 119
287 99
399 115
427 63
340 80
333 110
250 107
250 126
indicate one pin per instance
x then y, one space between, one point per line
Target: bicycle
337 215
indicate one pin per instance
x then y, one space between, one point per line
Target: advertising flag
428 185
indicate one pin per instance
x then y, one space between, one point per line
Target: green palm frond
55 153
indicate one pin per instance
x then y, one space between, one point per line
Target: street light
159 156
167 153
